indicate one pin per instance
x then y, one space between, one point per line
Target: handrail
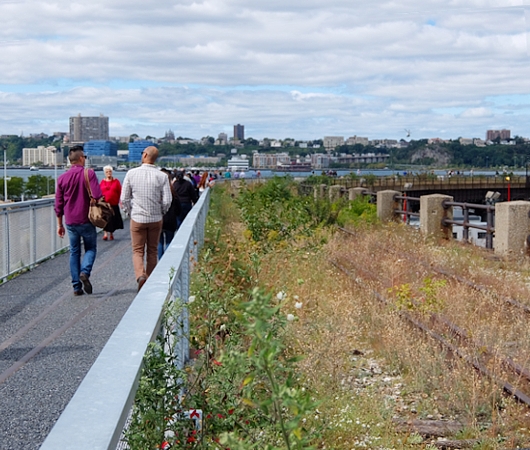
96 415
28 232
466 224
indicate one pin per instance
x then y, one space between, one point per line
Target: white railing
28 235
96 415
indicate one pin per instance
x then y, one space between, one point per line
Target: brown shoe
141 281
79 292
87 286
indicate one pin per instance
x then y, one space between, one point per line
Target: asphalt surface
33 395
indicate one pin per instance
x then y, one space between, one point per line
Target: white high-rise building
47 156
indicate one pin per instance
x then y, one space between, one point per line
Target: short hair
75 153
107 168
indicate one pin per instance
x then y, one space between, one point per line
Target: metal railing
28 232
96 414
419 182
466 224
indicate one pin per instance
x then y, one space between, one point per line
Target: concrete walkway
49 339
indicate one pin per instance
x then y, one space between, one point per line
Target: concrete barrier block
512 227
431 214
386 205
353 193
335 192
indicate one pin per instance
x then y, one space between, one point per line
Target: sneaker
86 283
79 292
141 281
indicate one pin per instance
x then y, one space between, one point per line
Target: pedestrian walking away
72 202
186 194
111 189
169 221
145 197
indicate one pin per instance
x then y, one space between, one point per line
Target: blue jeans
166 236
185 208
87 231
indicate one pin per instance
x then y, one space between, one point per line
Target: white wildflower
281 295
298 305
290 317
222 327
191 298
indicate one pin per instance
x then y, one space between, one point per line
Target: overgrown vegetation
289 353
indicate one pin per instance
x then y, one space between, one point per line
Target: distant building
222 139
47 156
465 141
197 161
169 136
269 161
84 129
320 161
504 135
101 148
136 148
354 140
331 142
239 132
385 143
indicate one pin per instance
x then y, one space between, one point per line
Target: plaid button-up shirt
146 194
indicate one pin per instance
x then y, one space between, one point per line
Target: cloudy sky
284 68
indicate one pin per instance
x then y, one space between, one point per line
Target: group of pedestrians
156 201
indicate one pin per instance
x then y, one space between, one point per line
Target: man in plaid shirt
145 197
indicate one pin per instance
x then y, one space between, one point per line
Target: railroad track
513 378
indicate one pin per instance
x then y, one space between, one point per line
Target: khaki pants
144 238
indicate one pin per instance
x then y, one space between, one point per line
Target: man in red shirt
72 202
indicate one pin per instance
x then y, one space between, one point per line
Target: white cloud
301 68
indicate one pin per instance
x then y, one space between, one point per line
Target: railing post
353 193
512 227
432 212
386 205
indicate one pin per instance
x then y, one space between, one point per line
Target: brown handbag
100 212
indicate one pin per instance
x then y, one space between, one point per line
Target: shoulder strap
87 184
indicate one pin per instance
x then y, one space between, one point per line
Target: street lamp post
5 173
55 168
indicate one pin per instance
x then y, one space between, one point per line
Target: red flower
231 411
217 363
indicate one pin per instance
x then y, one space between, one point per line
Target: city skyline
301 69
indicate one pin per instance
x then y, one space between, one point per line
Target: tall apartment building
239 132
47 156
84 129
491 135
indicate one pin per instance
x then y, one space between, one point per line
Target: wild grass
362 370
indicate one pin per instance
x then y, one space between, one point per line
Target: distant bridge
469 189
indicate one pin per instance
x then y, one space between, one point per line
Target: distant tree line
453 153
36 186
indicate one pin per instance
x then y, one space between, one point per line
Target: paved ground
33 397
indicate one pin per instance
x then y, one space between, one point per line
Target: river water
120 175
